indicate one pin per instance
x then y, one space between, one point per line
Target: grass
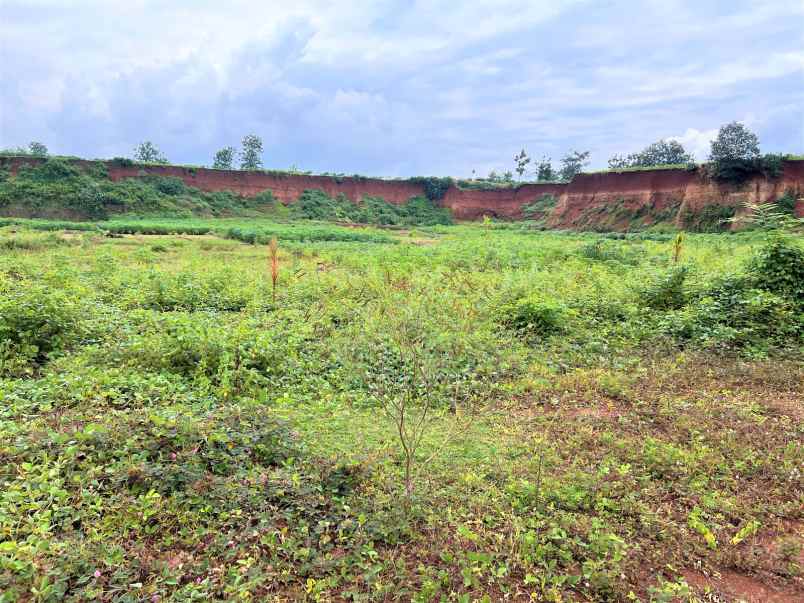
605 426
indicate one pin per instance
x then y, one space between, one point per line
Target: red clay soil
732 586
668 194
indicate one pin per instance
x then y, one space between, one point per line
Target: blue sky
398 88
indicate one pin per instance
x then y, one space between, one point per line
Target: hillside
66 188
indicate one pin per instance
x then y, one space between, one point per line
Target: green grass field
449 413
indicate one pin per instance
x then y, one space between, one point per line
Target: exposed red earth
661 194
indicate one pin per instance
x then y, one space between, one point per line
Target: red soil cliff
610 199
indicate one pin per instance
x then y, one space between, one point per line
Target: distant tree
521 160
734 142
664 152
224 158
573 163
508 176
251 155
734 156
493 176
147 152
37 149
618 162
545 171
661 152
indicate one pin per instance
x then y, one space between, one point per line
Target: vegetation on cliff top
56 188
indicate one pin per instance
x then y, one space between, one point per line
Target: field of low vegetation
233 409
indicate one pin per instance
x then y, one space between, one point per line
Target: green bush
168 185
733 314
434 187
778 267
535 316
736 171
35 321
540 207
667 291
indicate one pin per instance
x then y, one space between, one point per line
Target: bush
168 185
734 314
50 170
736 170
535 316
434 187
539 208
778 267
35 321
667 291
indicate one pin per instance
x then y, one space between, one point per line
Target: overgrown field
453 413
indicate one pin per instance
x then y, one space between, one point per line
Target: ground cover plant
56 188
189 411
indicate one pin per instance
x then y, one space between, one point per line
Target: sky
398 88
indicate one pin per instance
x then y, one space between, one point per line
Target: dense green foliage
660 153
434 187
735 157
147 152
59 189
316 205
603 418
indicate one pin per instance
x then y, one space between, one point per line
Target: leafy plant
434 187
147 152
251 153
224 158
535 316
667 291
573 163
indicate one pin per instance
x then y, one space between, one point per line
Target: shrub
711 218
535 316
35 321
168 185
540 207
667 291
434 187
735 314
50 170
778 267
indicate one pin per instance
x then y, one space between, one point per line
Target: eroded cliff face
622 200
285 187
604 201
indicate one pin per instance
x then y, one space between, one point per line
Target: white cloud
387 87
696 141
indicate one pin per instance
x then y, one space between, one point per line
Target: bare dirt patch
728 585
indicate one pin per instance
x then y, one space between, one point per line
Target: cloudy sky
394 87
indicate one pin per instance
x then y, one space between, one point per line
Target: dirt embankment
610 201
665 196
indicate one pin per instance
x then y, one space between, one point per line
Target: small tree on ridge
573 163
147 152
251 155
224 158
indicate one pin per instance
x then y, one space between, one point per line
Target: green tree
617 162
545 171
521 160
37 149
734 142
224 158
661 152
251 155
573 163
734 155
147 152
